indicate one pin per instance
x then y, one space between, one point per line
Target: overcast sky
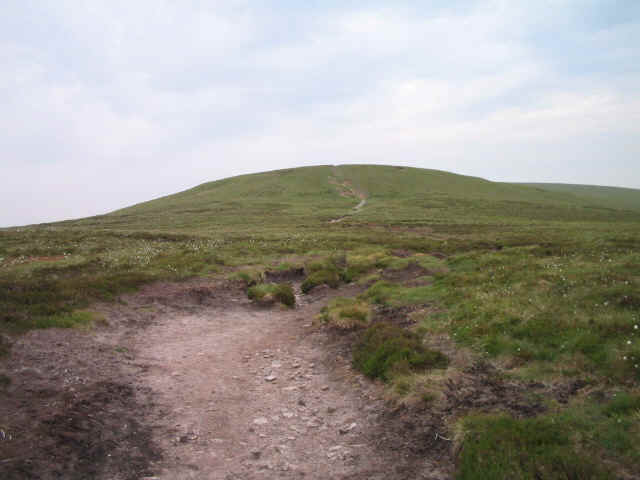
108 103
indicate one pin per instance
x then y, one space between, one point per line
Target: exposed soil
412 275
288 275
73 409
481 388
402 253
400 316
193 381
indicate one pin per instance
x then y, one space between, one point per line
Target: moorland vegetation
541 283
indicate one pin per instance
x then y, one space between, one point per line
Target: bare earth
192 381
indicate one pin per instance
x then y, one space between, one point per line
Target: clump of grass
502 447
346 313
403 385
321 277
364 260
385 350
623 404
249 277
5 380
327 272
74 319
381 291
279 292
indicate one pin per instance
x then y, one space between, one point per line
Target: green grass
50 296
329 272
389 293
576 442
279 292
611 197
575 308
623 404
386 350
501 448
542 281
249 276
76 318
346 313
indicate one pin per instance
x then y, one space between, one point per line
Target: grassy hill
540 282
311 196
612 197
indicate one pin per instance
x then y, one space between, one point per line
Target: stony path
250 393
191 381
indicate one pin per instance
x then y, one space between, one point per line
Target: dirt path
191 381
347 190
250 396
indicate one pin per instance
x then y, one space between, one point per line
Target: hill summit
309 196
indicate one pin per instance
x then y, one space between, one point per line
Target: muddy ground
192 381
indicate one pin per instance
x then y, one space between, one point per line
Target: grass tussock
277 292
365 260
249 276
385 350
346 313
328 272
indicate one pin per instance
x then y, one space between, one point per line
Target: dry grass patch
268 293
346 313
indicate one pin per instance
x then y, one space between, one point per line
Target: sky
107 104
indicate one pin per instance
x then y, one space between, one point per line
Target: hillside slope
613 197
311 196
